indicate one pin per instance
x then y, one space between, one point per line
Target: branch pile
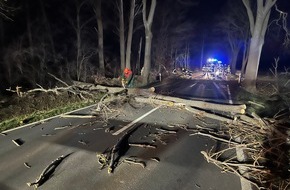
266 157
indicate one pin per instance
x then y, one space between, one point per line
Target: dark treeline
42 39
61 37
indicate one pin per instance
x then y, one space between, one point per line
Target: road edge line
43 120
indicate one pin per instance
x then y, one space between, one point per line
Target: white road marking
219 89
230 95
193 85
135 121
43 120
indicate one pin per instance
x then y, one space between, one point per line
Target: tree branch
250 15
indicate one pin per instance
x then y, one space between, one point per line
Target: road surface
175 164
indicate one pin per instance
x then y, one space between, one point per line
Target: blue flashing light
211 60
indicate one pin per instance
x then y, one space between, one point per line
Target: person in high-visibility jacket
127 77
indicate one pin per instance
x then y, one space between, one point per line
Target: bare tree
47 28
172 34
29 28
259 20
78 27
233 24
122 34
148 20
125 45
6 10
98 12
130 34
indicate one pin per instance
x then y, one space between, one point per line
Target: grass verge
39 115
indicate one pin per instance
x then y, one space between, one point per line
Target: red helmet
126 70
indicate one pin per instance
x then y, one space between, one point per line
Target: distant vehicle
215 69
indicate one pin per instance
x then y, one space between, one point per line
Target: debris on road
260 157
104 159
78 116
167 130
119 148
83 142
27 165
155 159
111 156
142 145
62 127
135 161
47 135
18 142
47 172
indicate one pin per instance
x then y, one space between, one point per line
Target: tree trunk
122 36
29 32
245 57
138 67
234 60
253 63
130 35
201 53
78 59
258 27
98 11
48 29
147 56
148 35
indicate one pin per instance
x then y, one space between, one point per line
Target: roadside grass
51 109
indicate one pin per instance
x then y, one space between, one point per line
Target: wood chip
78 116
166 130
63 127
155 159
27 165
143 145
83 142
135 161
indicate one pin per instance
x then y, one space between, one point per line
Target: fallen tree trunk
174 101
118 148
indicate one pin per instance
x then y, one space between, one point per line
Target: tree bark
251 71
130 35
245 57
29 32
48 29
78 58
98 12
122 35
233 66
258 27
148 41
138 66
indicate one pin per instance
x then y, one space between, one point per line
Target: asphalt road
180 166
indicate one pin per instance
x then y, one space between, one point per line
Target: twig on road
27 165
47 172
142 145
135 161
